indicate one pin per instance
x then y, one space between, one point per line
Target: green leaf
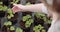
9 11
5 23
9 23
38 28
12 28
9 17
28 16
43 30
28 3
19 30
1 7
27 24
4 8
37 31
24 18
31 20
1 2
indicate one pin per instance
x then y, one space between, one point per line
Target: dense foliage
36 23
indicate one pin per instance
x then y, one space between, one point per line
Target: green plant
8 10
11 14
12 28
28 20
8 23
39 28
19 30
15 1
44 17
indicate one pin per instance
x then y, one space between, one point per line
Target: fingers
17 8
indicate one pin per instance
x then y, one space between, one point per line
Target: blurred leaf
19 30
28 16
9 11
1 7
1 2
7 23
43 30
4 8
9 17
24 18
38 28
12 28
16 1
28 3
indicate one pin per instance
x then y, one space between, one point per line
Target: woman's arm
31 8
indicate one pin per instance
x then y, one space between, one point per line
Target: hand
17 8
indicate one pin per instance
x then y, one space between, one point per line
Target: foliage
44 17
19 30
8 10
28 20
39 28
7 23
11 14
12 28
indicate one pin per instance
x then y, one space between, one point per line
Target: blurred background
22 21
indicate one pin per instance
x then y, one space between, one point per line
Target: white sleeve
44 9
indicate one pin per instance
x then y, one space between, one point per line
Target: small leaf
12 28
9 23
9 17
1 2
19 30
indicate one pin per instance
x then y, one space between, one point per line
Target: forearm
33 8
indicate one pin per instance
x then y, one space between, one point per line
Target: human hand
17 8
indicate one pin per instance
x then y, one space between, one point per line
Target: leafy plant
19 30
11 14
44 17
8 10
28 20
7 23
25 18
12 28
3 8
39 28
